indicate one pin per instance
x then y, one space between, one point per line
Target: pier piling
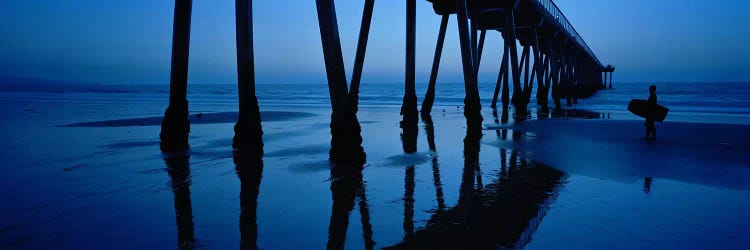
472 105
409 105
502 80
175 126
515 66
429 98
359 59
248 132
563 65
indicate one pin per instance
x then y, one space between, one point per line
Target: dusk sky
130 41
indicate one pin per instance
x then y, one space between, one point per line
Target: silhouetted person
650 128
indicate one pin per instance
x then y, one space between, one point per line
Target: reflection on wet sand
410 130
578 113
178 168
504 212
429 129
249 168
346 187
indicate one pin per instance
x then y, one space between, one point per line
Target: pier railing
554 12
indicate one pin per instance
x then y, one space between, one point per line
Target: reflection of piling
364 216
429 129
346 186
248 132
471 167
343 192
249 169
178 168
409 134
409 144
175 127
409 185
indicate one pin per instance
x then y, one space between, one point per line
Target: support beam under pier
359 59
175 127
429 98
409 106
472 105
248 133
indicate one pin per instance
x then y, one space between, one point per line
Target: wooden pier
554 58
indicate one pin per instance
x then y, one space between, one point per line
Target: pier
553 58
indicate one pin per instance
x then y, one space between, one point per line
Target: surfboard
648 110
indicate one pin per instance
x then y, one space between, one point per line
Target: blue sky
129 41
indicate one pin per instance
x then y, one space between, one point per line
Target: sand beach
85 171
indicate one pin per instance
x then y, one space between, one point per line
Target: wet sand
75 177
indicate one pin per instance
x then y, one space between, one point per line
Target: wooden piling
473 25
248 132
429 98
409 105
510 39
472 105
502 79
576 78
525 68
544 101
329 36
538 67
569 79
479 52
506 88
344 126
557 75
359 59
175 126
605 80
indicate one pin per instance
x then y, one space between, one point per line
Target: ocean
723 102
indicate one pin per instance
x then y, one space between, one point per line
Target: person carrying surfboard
650 128
649 110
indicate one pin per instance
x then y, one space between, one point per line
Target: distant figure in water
650 128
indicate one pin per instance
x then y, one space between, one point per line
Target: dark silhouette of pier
554 57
